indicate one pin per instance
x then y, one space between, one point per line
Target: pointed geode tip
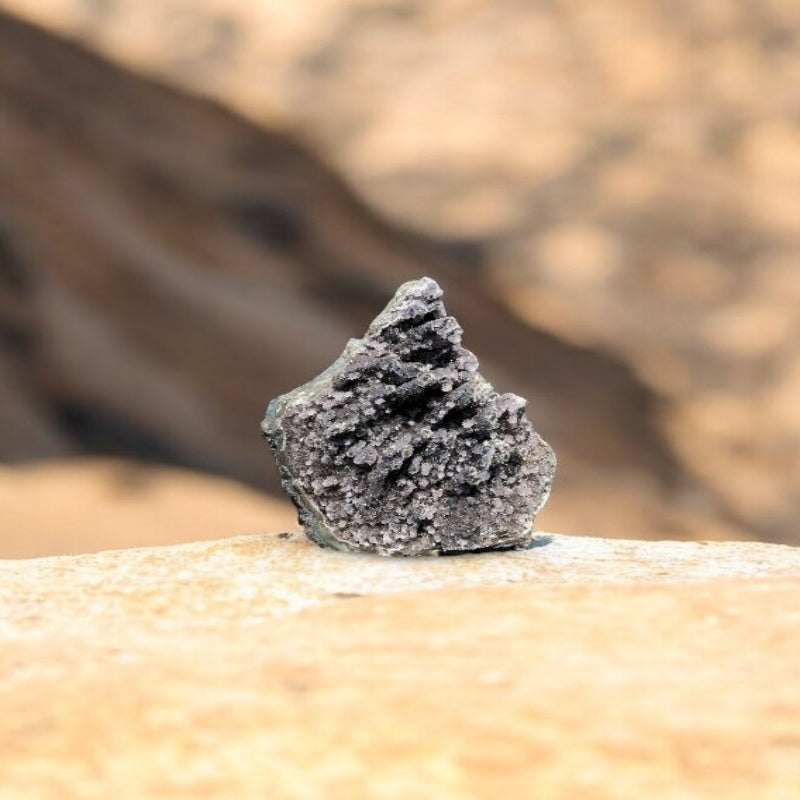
417 298
422 288
402 448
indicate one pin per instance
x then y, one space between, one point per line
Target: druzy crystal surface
402 448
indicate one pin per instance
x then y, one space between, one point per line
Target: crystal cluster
402 448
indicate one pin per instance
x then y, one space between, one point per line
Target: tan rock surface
262 666
83 505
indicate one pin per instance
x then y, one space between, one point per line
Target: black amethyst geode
401 448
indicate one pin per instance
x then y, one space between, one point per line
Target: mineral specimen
402 448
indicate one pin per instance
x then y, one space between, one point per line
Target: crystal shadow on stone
401 447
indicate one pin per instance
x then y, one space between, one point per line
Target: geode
401 447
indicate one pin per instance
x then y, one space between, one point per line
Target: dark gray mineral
401 448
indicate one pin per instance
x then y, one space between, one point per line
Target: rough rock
263 666
401 447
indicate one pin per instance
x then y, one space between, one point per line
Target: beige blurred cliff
626 178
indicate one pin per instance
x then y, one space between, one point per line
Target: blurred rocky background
200 201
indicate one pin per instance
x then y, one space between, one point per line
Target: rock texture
402 448
263 666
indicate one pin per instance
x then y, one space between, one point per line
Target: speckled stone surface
263 666
401 447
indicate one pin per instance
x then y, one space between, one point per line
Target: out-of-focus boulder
633 173
169 267
82 505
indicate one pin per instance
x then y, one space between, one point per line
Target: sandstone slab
264 666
